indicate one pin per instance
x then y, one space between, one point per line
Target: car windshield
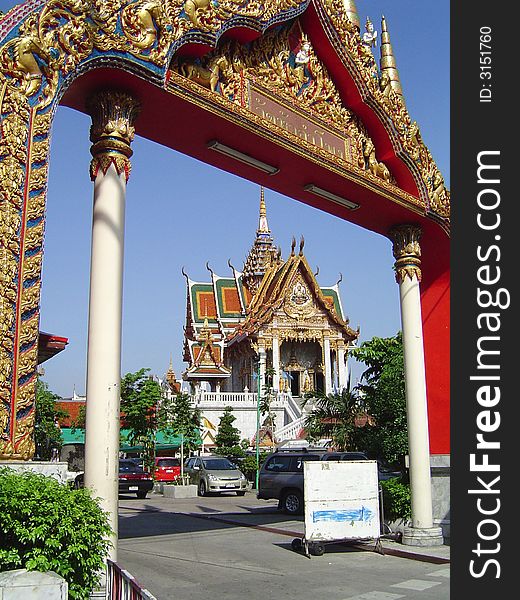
218 464
129 466
168 462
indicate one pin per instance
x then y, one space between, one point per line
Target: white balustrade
236 398
290 431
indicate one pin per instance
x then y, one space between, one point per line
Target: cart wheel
317 549
297 544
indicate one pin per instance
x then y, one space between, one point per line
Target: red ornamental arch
287 83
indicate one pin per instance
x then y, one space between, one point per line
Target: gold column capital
113 116
407 251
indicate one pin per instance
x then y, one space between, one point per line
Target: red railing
121 585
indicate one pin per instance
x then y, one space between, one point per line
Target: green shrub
396 499
248 464
47 526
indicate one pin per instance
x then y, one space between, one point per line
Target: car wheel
202 488
241 493
317 549
292 502
141 494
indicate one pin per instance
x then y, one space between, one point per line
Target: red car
167 468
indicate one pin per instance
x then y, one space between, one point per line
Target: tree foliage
79 422
47 432
177 416
140 397
333 416
47 526
382 389
227 439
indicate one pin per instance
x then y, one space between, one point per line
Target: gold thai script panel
290 120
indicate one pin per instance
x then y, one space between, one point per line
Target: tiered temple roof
228 309
274 288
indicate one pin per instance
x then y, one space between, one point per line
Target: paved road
233 548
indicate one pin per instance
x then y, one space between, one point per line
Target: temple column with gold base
407 253
112 130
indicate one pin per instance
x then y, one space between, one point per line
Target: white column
327 376
276 364
342 368
109 170
262 358
408 275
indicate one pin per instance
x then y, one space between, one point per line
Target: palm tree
334 416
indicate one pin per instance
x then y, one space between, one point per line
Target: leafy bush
396 499
47 526
248 465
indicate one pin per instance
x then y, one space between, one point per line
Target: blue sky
165 233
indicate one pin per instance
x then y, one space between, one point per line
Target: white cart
341 504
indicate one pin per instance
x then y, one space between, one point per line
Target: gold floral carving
271 62
407 251
379 94
300 334
112 131
298 301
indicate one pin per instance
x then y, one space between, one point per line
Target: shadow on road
148 519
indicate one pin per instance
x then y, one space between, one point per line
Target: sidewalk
433 554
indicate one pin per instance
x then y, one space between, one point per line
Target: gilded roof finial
302 244
170 375
388 64
262 222
293 245
351 12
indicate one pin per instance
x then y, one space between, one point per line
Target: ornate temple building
271 323
285 93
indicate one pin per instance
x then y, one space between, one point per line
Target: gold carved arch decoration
46 45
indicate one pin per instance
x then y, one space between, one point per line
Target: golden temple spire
261 253
388 64
170 374
262 221
351 12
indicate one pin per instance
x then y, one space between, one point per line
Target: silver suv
281 478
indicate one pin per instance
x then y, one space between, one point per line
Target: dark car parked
281 475
281 478
132 479
345 456
383 471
